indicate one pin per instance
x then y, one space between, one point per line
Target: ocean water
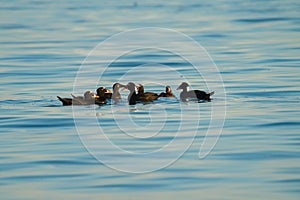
52 151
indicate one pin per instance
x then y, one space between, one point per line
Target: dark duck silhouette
87 99
185 95
107 94
168 93
101 96
145 96
132 96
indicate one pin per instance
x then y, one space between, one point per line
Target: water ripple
261 155
263 20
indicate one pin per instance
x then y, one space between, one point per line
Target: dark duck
132 96
141 96
87 99
168 93
145 96
185 95
101 96
107 93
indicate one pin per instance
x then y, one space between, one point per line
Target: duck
168 92
132 96
116 94
145 96
107 94
193 94
101 96
87 99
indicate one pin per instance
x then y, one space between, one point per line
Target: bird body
87 99
141 96
168 93
185 95
145 96
132 96
101 96
116 94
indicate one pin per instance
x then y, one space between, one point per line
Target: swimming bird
101 96
116 94
87 99
132 97
168 92
107 94
145 96
193 94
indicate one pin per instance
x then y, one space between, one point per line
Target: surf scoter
107 94
145 96
116 94
132 96
168 92
101 96
193 94
87 99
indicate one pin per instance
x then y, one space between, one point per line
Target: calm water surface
255 45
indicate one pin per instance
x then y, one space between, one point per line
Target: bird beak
97 97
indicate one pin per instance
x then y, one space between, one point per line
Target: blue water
255 45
